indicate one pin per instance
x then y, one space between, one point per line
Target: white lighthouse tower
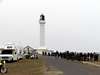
42 34
42 30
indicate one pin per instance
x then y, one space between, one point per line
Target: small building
28 50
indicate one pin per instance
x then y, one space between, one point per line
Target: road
71 67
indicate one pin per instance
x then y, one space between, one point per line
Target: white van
8 54
11 54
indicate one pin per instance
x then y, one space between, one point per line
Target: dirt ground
26 67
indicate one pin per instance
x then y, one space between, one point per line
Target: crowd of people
74 56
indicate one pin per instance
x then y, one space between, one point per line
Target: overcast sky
69 23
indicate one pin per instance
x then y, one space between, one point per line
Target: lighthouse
42 23
42 30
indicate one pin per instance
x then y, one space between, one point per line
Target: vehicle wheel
3 70
12 60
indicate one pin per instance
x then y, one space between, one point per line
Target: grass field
26 67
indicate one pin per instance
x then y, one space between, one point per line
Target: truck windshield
7 52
